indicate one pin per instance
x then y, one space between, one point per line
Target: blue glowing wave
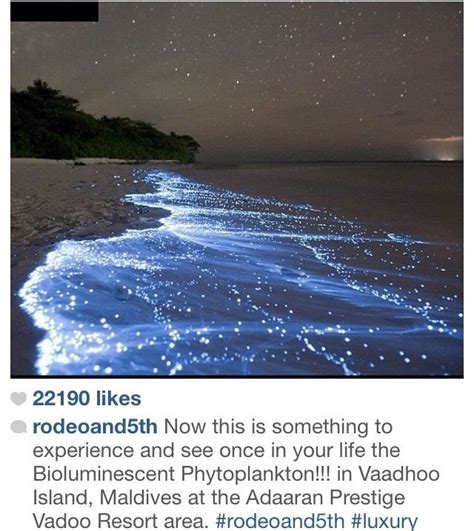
241 285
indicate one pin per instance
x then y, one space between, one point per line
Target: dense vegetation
48 124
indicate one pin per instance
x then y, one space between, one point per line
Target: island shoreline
37 229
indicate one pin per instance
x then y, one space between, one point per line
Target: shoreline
54 202
133 304
87 161
82 202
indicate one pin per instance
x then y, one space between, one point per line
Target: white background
432 418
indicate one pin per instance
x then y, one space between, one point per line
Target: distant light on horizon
443 149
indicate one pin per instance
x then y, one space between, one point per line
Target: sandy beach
56 200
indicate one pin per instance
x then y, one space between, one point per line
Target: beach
55 200
321 255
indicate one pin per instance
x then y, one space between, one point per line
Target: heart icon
18 398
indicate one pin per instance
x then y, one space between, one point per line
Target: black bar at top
55 11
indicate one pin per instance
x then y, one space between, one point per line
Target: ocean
275 270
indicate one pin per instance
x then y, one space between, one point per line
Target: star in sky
283 81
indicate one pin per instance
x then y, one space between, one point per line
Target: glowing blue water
233 284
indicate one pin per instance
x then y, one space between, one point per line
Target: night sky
274 81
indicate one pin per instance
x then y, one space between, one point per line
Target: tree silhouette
47 124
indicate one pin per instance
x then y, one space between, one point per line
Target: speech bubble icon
18 398
18 426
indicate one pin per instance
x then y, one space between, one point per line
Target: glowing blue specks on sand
241 285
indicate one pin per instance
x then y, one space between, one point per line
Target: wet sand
52 201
